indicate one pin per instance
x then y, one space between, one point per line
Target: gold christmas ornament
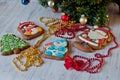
51 3
83 19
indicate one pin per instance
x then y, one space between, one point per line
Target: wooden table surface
12 12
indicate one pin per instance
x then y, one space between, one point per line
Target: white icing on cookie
87 41
97 34
84 35
56 48
57 44
34 31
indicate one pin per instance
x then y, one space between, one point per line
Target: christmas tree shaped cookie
10 44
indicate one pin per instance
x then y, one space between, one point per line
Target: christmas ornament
56 10
95 26
64 17
25 2
51 3
83 19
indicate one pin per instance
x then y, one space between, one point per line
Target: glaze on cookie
93 39
57 49
29 30
11 44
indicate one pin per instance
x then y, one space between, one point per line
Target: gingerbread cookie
29 30
11 44
93 39
57 49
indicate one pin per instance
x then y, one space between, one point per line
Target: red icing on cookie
29 28
99 33
48 44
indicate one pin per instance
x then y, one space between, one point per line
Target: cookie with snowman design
29 30
57 49
94 39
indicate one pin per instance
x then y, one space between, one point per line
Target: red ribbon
80 63
76 64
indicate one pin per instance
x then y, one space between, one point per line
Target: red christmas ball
65 17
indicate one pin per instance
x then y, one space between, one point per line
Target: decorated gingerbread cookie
11 44
93 39
29 30
57 49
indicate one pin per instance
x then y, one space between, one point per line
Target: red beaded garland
80 63
70 32
65 32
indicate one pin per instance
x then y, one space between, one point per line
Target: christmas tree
95 10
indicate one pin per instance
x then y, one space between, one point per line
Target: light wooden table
12 12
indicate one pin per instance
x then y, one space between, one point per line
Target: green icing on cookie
5 49
10 42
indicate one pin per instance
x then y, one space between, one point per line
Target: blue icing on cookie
62 49
59 55
51 48
60 42
58 48
49 53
